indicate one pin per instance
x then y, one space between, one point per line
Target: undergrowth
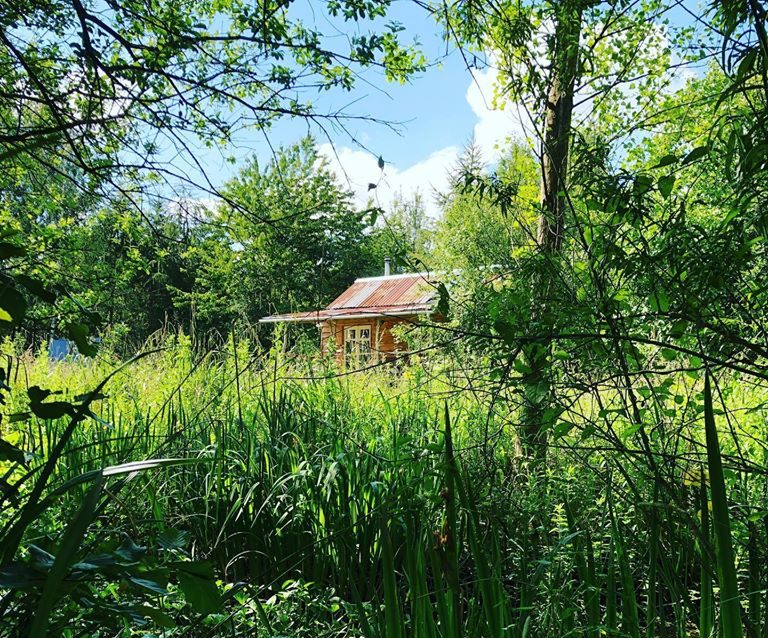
278 498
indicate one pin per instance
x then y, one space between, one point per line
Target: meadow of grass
269 497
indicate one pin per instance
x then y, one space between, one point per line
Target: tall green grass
375 505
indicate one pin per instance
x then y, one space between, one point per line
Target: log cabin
356 328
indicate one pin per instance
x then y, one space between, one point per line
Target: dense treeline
288 237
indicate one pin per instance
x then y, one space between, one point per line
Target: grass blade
585 565
393 619
707 608
629 616
730 608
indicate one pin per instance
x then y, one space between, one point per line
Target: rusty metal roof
393 295
391 291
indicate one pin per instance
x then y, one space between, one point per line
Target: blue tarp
60 349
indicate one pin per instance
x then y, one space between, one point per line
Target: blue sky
438 112
432 113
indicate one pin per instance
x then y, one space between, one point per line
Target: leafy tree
475 233
290 238
109 88
405 233
586 47
295 239
41 207
112 263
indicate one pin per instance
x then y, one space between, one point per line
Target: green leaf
70 542
563 428
37 394
706 595
13 302
36 287
665 185
95 562
643 184
130 551
149 584
200 590
78 332
173 539
160 618
505 330
393 617
667 160
733 214
40 558
443 307
9 452
630 430
629 620
678 328
669 354
521 366
730 607
50 410
747 65
18 575
658 301
696 154
90 396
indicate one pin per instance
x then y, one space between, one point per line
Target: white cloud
357 169
496 123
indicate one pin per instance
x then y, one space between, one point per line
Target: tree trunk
551 227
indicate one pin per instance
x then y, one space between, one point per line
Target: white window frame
358 351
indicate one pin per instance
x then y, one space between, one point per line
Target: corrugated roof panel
295 317
397 290
377 311
354 296
389 292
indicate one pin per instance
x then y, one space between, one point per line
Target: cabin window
357 345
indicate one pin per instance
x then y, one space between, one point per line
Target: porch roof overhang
331 314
